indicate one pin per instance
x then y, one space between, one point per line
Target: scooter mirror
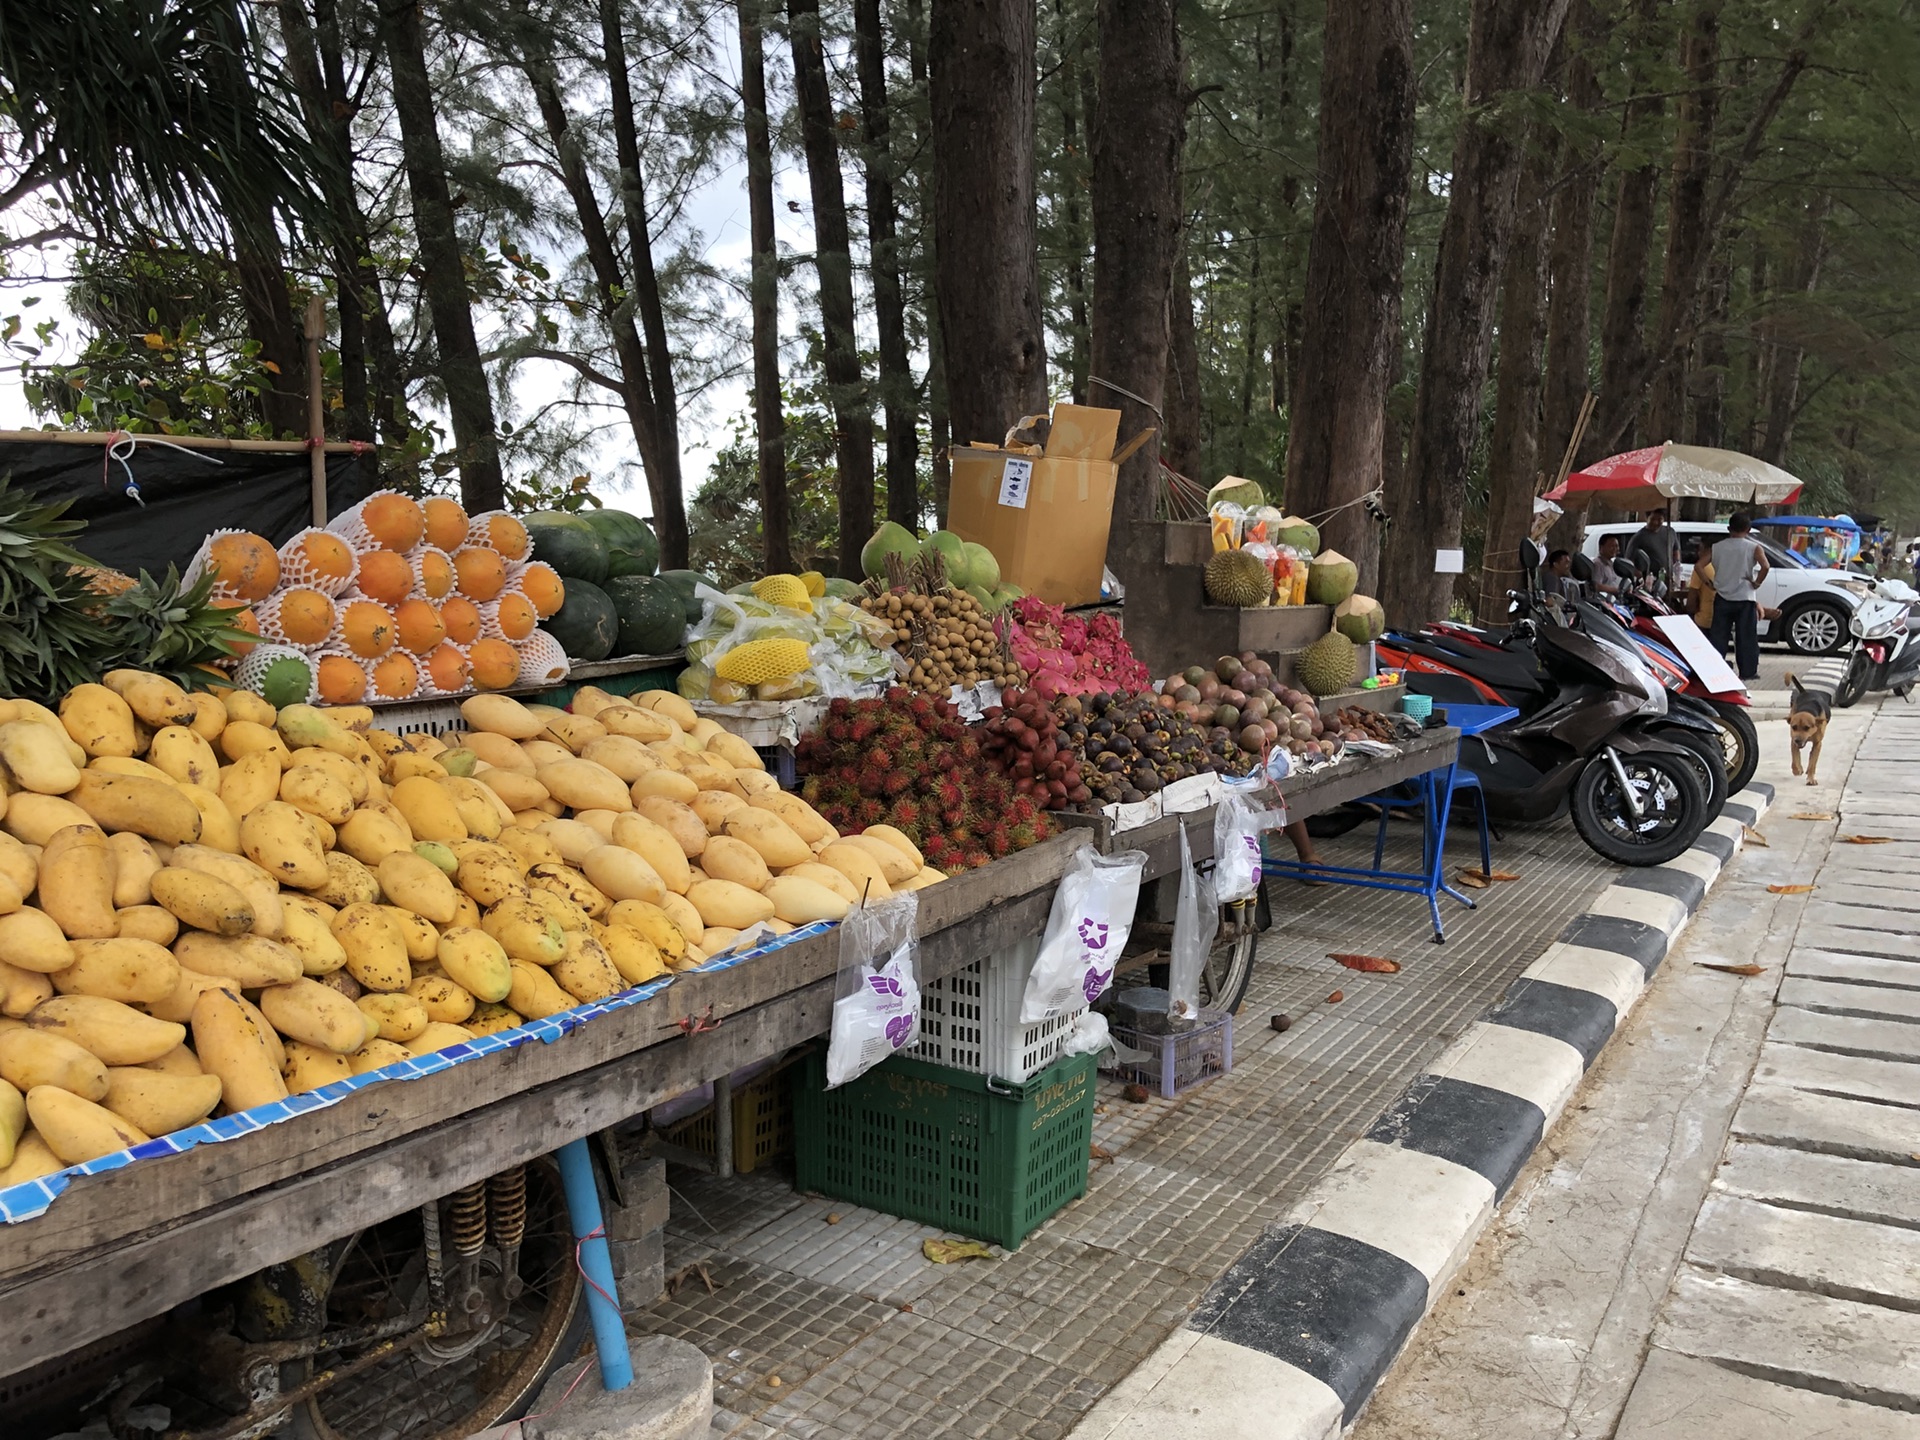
1529 560
1625 568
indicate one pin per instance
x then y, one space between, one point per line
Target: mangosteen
1147 781
1219 734
1131 796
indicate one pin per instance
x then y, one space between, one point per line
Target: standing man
1739 565
1655 549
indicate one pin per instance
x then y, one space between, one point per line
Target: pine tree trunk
1570 274
636 386
669 494
1687 236
939 431
1708 385
769 415
1782 399
463 378
833 262
1180 446
1507 51
1138 132
981 90
1073 67
899 396
1513 460
1350 342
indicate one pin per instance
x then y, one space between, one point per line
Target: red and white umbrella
1644 479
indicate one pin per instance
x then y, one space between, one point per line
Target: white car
1813 612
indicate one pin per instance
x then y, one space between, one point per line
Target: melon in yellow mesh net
787 590
446 522
761 660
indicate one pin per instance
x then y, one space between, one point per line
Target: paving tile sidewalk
825 1319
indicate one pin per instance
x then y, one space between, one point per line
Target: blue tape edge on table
25 1201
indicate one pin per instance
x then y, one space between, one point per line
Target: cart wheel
471 1377
1229 967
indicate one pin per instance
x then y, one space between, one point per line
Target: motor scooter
1886 653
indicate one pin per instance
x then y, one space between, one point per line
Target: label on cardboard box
1015 478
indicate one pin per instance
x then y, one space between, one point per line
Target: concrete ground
1723 1235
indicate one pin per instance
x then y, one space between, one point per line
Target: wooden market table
130 1244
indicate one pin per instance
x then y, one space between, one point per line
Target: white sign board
1449 562
1014 480
1698 651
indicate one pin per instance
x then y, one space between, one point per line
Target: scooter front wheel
1853 684
1672 807
1739 743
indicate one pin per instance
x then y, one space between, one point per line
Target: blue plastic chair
1463 779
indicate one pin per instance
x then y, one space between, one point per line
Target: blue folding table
1433 792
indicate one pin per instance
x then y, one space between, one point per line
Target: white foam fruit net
342 608
295 569
272 627
333 648
197 566
517 576
480 532
352 528
251 672
426 676
415 559
422 686
542 660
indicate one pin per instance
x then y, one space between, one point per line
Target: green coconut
1244 493
983 570
1332 578
1297 533
985 597
1360 618
889 539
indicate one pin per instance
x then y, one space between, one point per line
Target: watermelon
569 544
631 546
587 624
653 617
684 581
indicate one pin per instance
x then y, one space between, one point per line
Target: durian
1235 577
1326 666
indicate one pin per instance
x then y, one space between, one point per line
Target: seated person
1606 579
1557 578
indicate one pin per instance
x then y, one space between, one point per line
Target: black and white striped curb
1290 1342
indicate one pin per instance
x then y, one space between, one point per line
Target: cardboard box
1045 516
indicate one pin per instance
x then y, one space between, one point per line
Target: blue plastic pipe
603 1300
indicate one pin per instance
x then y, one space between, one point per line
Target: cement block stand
671 1398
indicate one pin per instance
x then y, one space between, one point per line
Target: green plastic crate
965 1152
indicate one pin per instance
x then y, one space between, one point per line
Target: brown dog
1807 716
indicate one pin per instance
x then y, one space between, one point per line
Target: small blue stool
1462 779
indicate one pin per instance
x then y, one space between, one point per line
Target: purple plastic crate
1180 1061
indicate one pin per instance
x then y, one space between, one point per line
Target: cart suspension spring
467 1219
507 1207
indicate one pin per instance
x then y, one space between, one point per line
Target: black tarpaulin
187 495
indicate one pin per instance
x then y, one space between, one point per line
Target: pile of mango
207 905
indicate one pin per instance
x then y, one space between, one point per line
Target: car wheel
1817 628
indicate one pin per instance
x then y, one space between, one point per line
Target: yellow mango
34 1057
651 923
715 808
37 758
314 1014
657 846
665 785
418 885
535 994
376 1054
418 934
178 1061
130 971
202 901
574 731
308 932
18 863
160 1103
370 835
545 752
147 922
154 808
33 940
530 848
184 755
308 1067
725 902
861 867
399 1017
726 858
235 1043
667 703
483 813
262 893
497 751
78 1130
31 1160
343 982
685 919
77 873
755 783
625 756
209 715
777 842
156 700
574 839
376 948
487 882
478 963
133 870
634 723
894 862
244 961
571 887
677 819
564 912
586 971
490 1019
13 1122
34 819
735 751
825 875
249 782
623 874
99 721
500 715
443 999
718 939
800 902
21 990
633 955
117 1033
219 827
309 788
178 1004
524 931
801 818
245 705
429 809
437 1036
277 838
348 772
517 789
243 737
584 785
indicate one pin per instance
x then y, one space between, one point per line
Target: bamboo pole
317 406
190 442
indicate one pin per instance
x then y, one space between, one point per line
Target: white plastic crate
418 717
970 1020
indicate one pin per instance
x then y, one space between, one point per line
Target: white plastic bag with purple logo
1196 920
1238 823
1092 916
876 1007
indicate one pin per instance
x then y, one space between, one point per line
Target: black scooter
1636 798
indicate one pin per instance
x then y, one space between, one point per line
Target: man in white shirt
1739 565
